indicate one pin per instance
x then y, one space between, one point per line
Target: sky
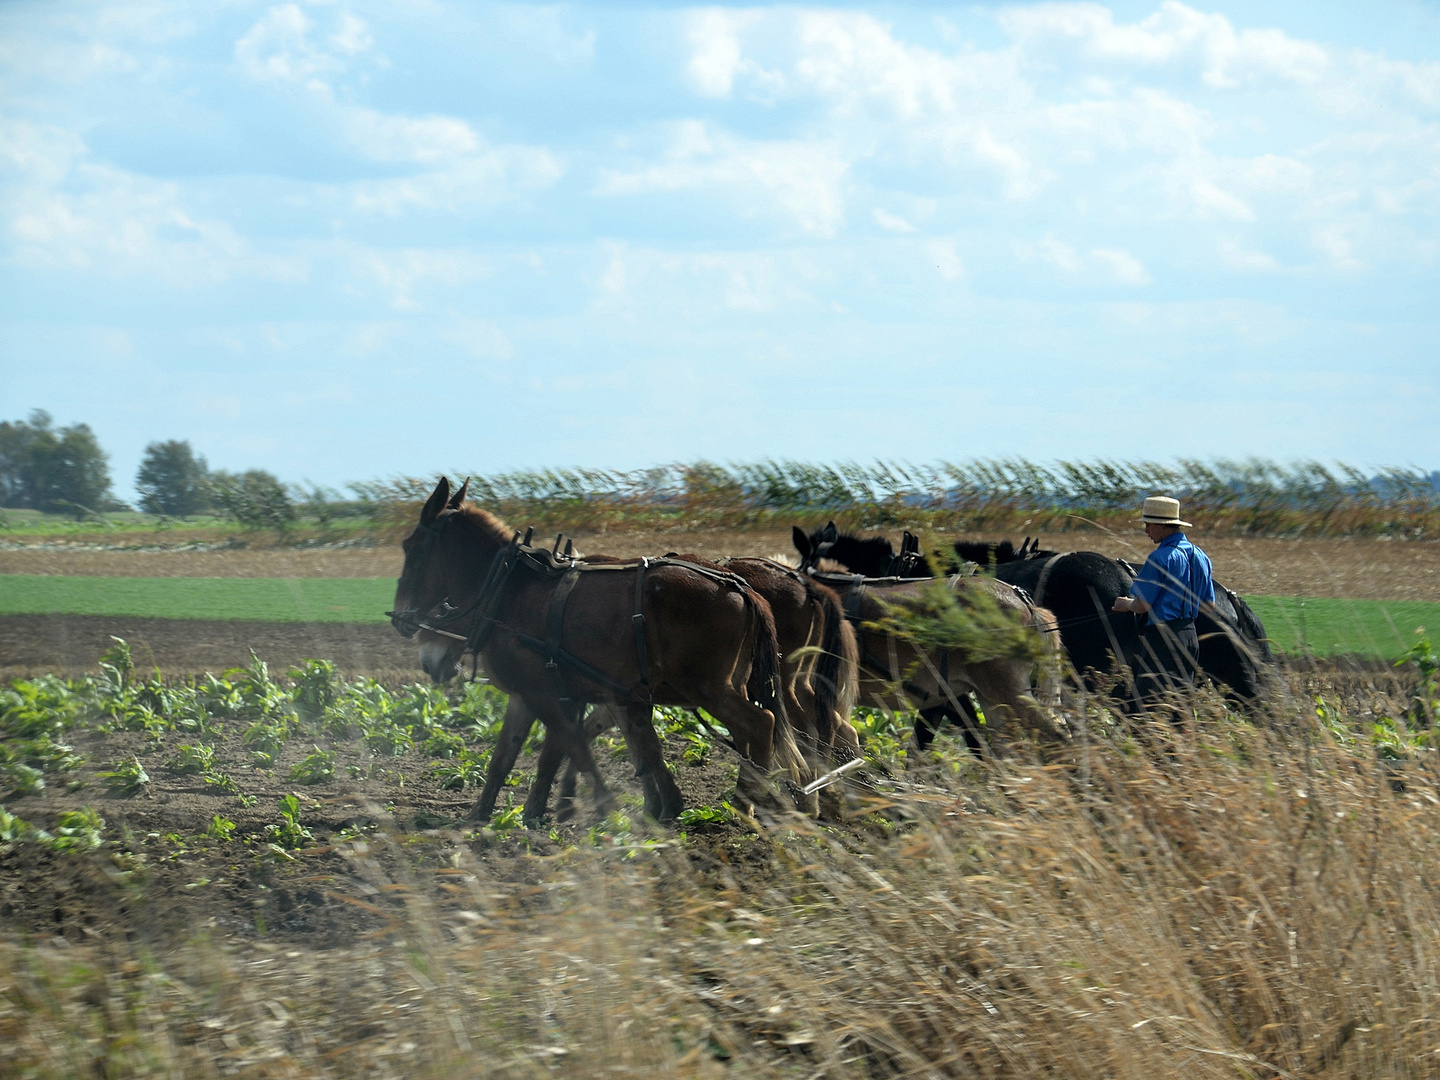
347 241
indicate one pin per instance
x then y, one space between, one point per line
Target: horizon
355 240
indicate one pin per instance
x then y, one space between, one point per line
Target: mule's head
813 546
441 574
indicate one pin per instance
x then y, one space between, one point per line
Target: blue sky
353 240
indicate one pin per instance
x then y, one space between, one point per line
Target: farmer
1171 588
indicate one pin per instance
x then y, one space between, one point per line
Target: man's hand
1132 604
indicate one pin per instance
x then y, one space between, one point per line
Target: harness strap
621 691
854 597
1045 576
555 625
642 649
490 594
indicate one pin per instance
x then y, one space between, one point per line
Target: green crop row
352 600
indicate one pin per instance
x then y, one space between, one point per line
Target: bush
172 480
256 499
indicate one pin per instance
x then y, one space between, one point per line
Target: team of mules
1079 588
778 656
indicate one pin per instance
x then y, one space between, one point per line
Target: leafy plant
507 819
78 830
316 768
265 739
23 779
317 687
220 828
189 760
442 744
388 740
14 830
723 814
126 777
289 833
466 770
1424 708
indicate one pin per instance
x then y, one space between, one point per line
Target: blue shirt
1175 580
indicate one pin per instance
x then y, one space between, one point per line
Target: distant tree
172 480
256 499
57 470
15 440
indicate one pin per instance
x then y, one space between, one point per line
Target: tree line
65 471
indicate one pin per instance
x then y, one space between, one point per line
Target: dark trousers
1165 659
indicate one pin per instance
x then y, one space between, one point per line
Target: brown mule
821 683
557 633
896 675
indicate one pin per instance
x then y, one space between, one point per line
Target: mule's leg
662 795
966 721
514 730
753 730
550 759
565 730
601 718
1003 686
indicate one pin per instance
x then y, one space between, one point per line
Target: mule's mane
485 521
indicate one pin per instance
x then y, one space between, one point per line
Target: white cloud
1175 33
480 338
455 166
1125 267
947 260
1060 254
1241 258
803 179
1210 199
62 210
892 222
715 54
1334 241
278 47
401 273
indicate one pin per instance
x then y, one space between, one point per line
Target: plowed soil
160 877
71 644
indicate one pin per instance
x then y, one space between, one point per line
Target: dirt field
70 645
232 888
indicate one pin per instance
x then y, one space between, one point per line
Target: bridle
471 623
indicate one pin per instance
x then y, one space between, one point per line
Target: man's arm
1144 591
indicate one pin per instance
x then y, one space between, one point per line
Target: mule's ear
800 540
830 534
459 496
433 505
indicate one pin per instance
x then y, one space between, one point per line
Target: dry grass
1239 901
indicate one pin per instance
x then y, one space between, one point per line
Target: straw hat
1160 510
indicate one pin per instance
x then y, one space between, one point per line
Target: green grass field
258 599
1324 627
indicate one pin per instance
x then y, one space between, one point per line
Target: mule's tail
1252 627
766 685
836 680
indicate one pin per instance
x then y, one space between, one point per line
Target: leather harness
483 612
